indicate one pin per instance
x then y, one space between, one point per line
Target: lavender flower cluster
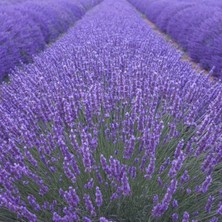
27 27
108 124
194 24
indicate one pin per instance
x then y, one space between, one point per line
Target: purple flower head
206 183
159 209
188 190
219 210
129 149
99 177
103 219
185 177
99 197
115 196
178 149
33 203
150 169
209 204
115 167
104 165
132 172
175 203
87 157
89 205
155 199
170 191
86 219
186 217
214 219
175 217
90 184
71 197
160 182
125 185
176 165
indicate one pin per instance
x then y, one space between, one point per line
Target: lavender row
195 25
108 124
8 2
27 27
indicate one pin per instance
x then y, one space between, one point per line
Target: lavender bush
26 28
109 125
194 24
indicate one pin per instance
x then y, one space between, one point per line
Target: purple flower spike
90 184
219 210
99 197
159 209
186 217
214 219
71 197
155 199
175 217
125 185
175 203
86 219
206 183
150 169
209 204
103 219
89 205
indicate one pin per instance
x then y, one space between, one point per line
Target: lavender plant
27 27
109 125
195 25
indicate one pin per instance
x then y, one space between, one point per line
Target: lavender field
195 24
101 118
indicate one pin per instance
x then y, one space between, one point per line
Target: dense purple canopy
194 24
28 26
108 124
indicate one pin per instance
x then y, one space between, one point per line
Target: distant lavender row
110 125
26 28
8 2
194 24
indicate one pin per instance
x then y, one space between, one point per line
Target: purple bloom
175 203
185 177
132 172
175 217
150 169
209 203
206 184
155 199
33 203
71 197
103 219
125 185
160 182
219 210
159 209
214 219
89 205
90 184
176 165
86 219
99 197
186 217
